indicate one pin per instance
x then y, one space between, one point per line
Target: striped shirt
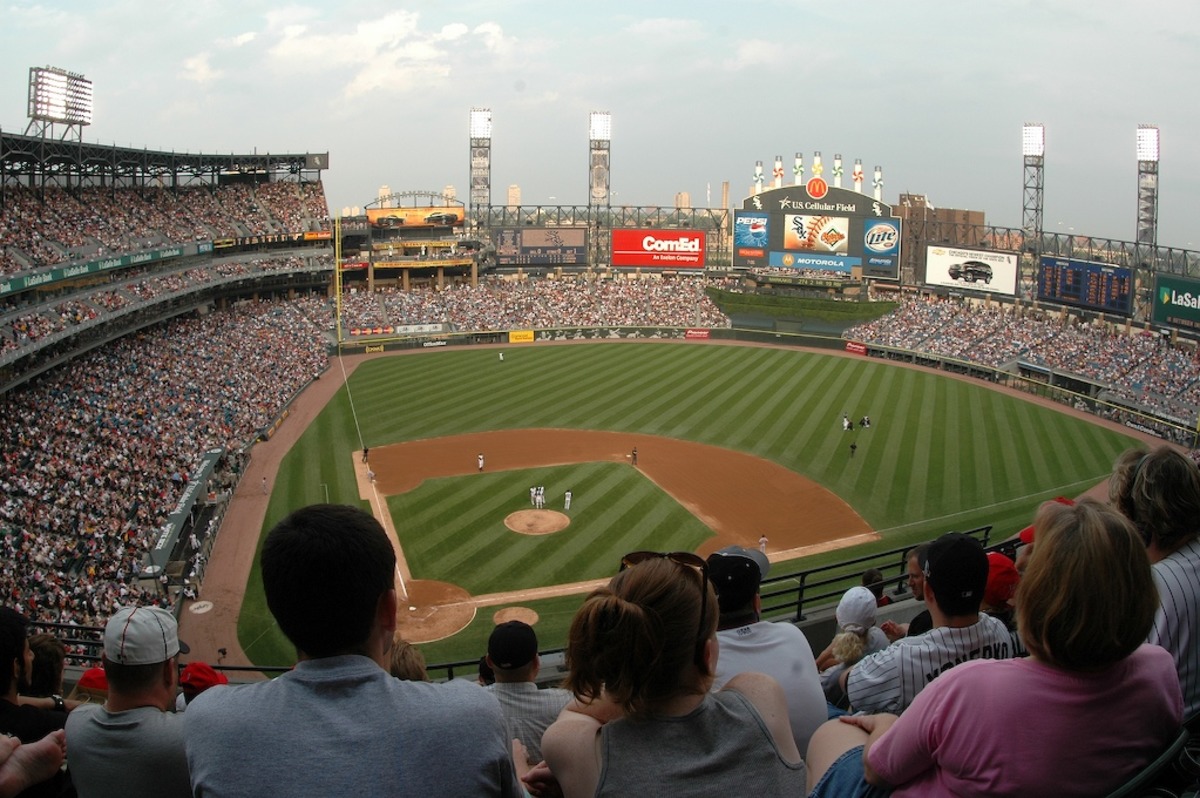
889 680
1177 622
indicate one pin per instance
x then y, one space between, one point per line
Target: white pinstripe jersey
1177 622
888 680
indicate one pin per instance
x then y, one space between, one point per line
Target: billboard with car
972 269
427 216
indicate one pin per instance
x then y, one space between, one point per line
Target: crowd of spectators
136 286
61 225
1141 367
497 304
94 457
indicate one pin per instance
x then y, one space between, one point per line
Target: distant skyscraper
514 196
384 191
683 201
450 192
725 194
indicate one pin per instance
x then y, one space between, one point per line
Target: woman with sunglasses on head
641 655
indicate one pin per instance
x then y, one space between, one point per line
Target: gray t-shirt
722 747
344 726
138 752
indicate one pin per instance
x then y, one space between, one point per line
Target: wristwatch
59 704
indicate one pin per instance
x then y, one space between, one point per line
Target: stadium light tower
480 194
57 96
1147 198
599 149
1033 153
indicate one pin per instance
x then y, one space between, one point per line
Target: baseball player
567 500
956 570
762 543
480 459
533 495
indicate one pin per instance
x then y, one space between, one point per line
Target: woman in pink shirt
1090 707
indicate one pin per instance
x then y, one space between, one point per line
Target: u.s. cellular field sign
1177 301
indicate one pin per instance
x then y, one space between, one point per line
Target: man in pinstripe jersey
956 570
1159 492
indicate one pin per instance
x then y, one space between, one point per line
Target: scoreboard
1086 284
540 246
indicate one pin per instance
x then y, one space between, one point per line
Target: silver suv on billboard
971 271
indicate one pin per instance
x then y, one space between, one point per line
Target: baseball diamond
943 452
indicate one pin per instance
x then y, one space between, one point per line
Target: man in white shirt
779 650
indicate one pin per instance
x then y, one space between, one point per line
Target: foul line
376 500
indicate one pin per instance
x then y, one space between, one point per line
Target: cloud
198 70
238 41
754 53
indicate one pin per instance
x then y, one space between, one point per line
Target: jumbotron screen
540 246
816 226
1086 284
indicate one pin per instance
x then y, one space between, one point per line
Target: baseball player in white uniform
956 571
567 500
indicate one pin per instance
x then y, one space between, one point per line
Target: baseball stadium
521 396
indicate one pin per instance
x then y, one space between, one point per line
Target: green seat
1144 782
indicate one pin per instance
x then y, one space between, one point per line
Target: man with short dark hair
955 576
748 644
132 745
338 723
513 655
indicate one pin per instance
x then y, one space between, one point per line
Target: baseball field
733 442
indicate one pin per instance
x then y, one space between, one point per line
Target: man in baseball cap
513 655
748 643
132 745
956 572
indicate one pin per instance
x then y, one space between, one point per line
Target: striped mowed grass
941 454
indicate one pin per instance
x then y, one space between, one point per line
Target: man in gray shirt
338 723
131 745
513 655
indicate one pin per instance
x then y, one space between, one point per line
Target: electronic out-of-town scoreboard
1086 284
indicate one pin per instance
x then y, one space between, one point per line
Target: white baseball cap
142 636
856 610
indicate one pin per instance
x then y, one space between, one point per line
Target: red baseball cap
199 676
1002 580
93 679
1026 534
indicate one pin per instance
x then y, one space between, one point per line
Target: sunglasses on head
688 560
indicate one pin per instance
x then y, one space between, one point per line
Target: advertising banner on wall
1177 301
817 227
972 269
428 216
658 249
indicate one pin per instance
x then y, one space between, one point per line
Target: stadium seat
1162 777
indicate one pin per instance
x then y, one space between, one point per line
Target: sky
933 91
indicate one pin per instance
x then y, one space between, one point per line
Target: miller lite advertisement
658 249
815 227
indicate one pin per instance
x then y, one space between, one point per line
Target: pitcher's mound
523 614
537 522
433 610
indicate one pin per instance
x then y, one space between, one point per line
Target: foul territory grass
942 453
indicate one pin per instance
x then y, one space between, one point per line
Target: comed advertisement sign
1177 301
658 249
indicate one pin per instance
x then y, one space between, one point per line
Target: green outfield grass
942 454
